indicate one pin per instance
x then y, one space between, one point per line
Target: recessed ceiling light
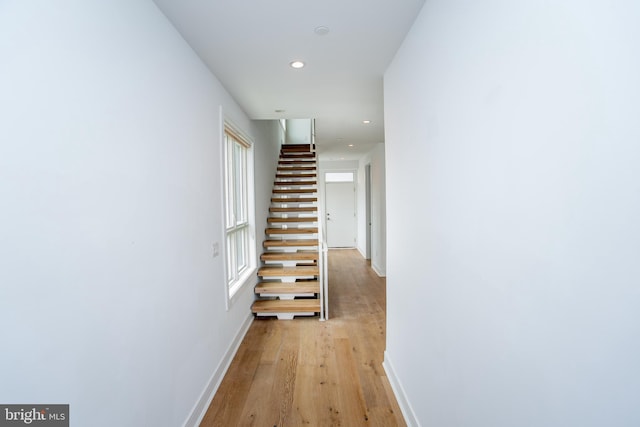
366 122
321 30
297 64
350 145
279 111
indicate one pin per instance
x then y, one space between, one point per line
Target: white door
341 214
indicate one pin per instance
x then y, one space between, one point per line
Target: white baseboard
378 271
201 406
362 252
407 411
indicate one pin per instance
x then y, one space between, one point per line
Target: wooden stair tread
294 157
303 162
294 199
294 209
296 168
289 243
299 162
306 305
304 287
295 219
293 183
302 230
299 154
294 190
295 175
289 271
289 256
297 147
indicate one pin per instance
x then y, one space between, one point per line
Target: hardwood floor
305 372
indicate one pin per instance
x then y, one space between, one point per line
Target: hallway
306 372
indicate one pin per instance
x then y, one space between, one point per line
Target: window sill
249 276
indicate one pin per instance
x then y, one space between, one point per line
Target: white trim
202 405
223 207
225 123
332 172
379 271
368 211
407 411
228 122
248 280
363 254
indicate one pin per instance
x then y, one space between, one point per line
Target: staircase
290 275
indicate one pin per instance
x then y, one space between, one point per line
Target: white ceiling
248 44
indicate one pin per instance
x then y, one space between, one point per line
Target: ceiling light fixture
350 145
297 64
321 30
279 111
366 122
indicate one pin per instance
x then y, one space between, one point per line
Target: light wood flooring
305 372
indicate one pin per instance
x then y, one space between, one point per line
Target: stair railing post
322 243
322 265
322 250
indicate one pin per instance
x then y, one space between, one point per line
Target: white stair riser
287 296
286 316
287 279
286 263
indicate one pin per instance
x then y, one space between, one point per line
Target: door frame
367 210
323 183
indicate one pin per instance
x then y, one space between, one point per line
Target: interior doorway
340 209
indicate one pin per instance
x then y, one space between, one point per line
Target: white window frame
238 209
340 176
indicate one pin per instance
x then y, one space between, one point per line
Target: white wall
514 295
110 194
298 131
266 155
334 165
375 158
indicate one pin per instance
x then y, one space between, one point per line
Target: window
239 242
338 177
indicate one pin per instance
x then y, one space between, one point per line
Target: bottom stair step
276 306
